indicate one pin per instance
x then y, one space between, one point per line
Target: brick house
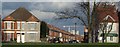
21 26
62 34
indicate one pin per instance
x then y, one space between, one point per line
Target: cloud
58 0
63 5
51 6
43 15
36 8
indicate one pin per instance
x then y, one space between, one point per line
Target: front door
18 38
22 38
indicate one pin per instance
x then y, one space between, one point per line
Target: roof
21 14
58 29
108 12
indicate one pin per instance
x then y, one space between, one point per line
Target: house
108 14
21 26
64 36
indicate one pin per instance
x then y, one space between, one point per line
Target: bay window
12 25
9 25
5 25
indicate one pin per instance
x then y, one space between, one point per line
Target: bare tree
105 29
88 16
87 19
104 23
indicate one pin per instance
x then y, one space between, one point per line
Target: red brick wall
15 27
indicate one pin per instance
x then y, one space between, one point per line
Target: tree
44 30
106 29
119 25
87 14
88 18
105 24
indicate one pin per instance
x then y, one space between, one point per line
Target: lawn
60 45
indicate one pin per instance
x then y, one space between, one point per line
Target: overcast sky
42 10
59 0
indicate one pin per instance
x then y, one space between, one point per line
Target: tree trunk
103 36
89 35
89 23
106 40
119 26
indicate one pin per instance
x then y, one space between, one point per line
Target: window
8 25
32 36
109 27
23 26
18 25
5 25
12 26
32 26
111 38
8 36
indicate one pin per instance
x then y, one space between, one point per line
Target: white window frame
12 25
32 23
20 26
111 38
8 26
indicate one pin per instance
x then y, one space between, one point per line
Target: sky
45 12
59 0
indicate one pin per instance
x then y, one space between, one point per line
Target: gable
109 18
32 18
